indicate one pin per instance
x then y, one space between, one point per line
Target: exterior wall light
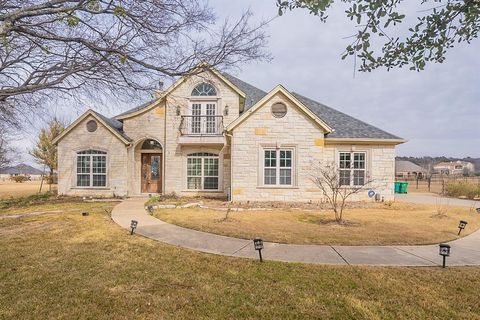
462 226
258 243
133 226
225 111
444 251
178 110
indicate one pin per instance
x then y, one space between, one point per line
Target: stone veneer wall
295 130
102 139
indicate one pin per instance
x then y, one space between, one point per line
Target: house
408 169
455 168
212 134
20 170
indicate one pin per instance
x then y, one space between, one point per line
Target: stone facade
240 151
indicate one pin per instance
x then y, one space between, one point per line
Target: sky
436 110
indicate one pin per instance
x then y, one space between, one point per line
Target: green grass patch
25 201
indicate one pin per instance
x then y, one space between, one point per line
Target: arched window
91 168
202 171
151 144
204 89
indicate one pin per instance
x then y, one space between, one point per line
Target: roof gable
114 126
161 95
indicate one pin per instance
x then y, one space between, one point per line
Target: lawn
66 266
377 224
15 189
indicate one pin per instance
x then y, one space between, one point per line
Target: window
204 89
278 167
279 110
352 168
202 171
91 168
151 144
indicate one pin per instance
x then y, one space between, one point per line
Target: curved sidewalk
465 251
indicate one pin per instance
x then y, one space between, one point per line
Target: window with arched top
91 168
202 171
204 89
151 144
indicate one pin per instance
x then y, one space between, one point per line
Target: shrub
25 201
19 179
463 189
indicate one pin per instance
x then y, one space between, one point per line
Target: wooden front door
151 172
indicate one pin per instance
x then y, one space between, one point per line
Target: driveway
465 251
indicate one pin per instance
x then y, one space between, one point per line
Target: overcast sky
436 110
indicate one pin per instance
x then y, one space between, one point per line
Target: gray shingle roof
344 126
252 94
137 108
113 124
407 166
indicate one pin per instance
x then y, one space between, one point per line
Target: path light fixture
133 226
444 252
258 243
478 210
150 209
461 226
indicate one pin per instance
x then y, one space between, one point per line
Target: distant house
408 169
454 168
19 170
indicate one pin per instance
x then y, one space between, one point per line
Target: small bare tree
5 149
337 185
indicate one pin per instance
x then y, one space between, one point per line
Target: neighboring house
21 170
215 135
408 169
455 168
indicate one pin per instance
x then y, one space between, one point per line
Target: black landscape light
258 243
478 210
85 214
461 226
444 252
133 225
150 209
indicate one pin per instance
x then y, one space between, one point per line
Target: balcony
200 130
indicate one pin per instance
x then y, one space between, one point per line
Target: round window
91 126
279 110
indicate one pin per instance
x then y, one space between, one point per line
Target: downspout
230 195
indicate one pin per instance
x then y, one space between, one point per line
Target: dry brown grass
66 266
382 224
14 189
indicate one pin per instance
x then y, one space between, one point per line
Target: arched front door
151 167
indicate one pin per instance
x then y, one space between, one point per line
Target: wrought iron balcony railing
201 125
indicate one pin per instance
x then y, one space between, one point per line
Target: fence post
429 181
417 181
443 187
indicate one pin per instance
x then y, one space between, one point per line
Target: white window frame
277 167
352 168
91 173
202 175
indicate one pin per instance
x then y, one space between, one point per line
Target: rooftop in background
407 166
21 168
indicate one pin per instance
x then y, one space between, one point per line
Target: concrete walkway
465 251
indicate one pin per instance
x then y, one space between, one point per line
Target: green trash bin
403 187
397 187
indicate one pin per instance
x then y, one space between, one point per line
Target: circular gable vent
279 110
92 126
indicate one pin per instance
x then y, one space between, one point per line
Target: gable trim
298 103
363 141
81 118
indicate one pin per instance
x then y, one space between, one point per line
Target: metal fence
436 184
